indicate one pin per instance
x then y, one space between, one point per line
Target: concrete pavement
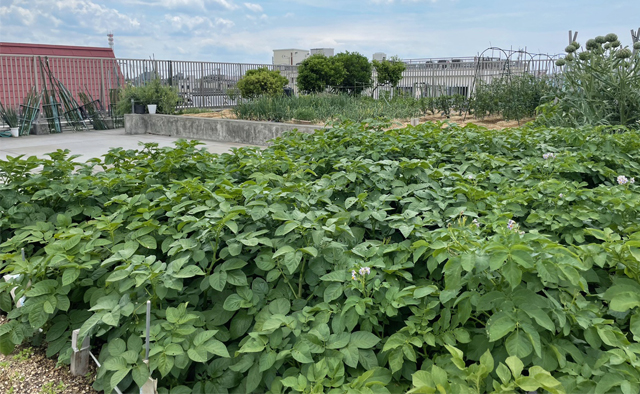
92 143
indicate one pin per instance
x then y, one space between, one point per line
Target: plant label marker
151 385
79 357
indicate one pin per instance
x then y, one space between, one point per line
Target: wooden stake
79 357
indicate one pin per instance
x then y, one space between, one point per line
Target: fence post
79 357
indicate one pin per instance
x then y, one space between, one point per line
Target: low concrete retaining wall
223 130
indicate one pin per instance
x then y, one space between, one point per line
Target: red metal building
90 70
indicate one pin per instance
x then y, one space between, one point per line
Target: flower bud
584 56
560 62
592 44
624 53
611 37
569 57
636 45
601 40
615 44
570 49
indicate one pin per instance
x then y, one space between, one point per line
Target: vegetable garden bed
424 259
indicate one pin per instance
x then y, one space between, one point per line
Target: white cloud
226 4
253 7
226 23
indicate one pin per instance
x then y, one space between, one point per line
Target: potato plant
428 259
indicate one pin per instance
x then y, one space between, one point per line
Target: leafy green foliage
327 107
260 82
357 76
427 259
599 85
317 72
389 72
513 97
154 92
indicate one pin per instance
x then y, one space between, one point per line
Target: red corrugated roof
81 69
15 48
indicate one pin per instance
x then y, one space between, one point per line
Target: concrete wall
223 130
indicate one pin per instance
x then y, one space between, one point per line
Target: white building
289 57
328 52
379 56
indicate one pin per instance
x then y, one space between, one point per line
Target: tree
389 71
357 71
317 72
260 82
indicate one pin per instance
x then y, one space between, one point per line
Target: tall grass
326 107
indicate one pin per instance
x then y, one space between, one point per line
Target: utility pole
572 37
635 37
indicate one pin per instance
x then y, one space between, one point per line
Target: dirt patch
494 123
224 114
28 370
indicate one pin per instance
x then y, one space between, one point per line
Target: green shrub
599 85
352 260
318 72
262 82
154 92
357 72
389 72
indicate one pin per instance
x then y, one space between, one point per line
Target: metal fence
213 84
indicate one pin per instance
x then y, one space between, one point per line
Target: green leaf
500 325
540 317
267 359
115 363
189 272
116 347
634 325
6 345
286 228
283 250
69 276
518 345
516 365
338 341
332 292
218 280
486 361
118 275
233 303
216 347
351 355
310 250
148 241
173 349
140 374
37 317
198 355
118 376
203 337
363 339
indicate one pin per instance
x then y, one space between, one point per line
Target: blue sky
239 31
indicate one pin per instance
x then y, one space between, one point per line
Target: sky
247 32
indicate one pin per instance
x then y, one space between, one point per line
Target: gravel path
27 370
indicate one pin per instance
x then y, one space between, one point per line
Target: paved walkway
91 144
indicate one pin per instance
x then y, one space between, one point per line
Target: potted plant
10 117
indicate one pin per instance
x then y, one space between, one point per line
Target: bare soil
28 371
494 123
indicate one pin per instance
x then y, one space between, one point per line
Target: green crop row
427 259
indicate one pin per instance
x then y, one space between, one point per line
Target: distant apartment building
289 57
